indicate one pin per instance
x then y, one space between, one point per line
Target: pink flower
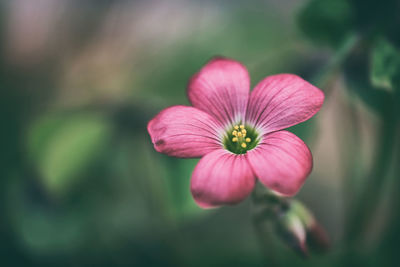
239 134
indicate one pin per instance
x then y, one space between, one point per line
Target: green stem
368 201
266 206
392 230
324 75
349 161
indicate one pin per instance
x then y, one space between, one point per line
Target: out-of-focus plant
81 184
371 68
65 146
292 222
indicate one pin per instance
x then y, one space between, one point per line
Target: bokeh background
80 182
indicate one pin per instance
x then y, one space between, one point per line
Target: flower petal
185 132
221 178
221 88
281 101
282 162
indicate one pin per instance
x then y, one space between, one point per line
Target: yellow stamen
234 133
248 140
236 127
244 145
239 134
244 131
242 126
234 139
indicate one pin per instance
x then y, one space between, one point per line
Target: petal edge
221 88
283 100
183 131
221 178
282 162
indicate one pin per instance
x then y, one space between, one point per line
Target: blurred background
81 184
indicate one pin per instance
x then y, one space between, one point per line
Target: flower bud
291 230
316 236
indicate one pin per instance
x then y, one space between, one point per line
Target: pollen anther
240 139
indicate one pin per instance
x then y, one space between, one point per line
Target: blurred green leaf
357 75
377 100
385 68
40 226
326 21
179 172
64 145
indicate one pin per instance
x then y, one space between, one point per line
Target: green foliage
326 21
63 146
126 204
369 65
178 175
357 74
385 65
377 100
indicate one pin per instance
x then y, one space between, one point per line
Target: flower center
240 138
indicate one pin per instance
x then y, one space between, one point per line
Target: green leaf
379 101
357 75
64 146
326 21
385 67
179 172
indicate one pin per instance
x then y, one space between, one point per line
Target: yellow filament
236 127
234 139
239 134
234 133
242 126
248 140
244 145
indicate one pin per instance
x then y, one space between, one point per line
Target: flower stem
266 207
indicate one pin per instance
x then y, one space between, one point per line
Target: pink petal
281 101
185 132
221 88
282 162
221 178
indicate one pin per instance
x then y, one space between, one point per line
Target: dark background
80 182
